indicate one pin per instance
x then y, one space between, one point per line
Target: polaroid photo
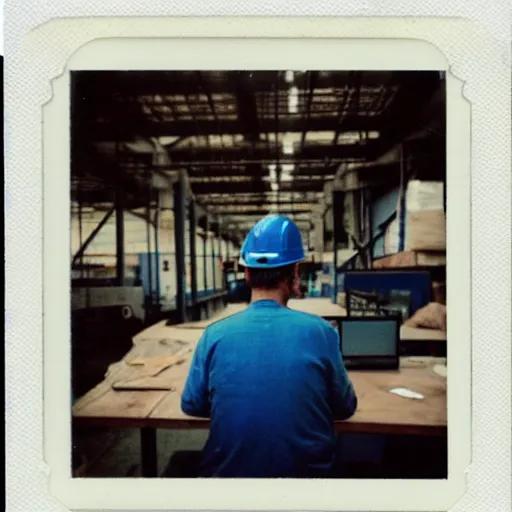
208 185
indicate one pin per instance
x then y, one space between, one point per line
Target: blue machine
384 282
150 266
157 276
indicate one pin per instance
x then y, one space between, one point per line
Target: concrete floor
115 453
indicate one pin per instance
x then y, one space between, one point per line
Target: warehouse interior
171 169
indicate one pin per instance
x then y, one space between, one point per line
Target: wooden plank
122 404
411 259
154 373
322 307
401 259
163 379
431 258
378 405
417 334
170 334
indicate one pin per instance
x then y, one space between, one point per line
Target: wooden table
379 411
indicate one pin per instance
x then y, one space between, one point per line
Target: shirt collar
265 303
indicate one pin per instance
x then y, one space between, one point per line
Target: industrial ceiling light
287 145
285 172
293 100
289 75
272 175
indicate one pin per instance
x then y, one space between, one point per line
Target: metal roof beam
127 128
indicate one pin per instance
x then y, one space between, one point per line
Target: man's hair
270 278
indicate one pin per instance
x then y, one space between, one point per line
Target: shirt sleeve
195 400
343 397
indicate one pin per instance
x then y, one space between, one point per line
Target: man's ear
246 274
295 288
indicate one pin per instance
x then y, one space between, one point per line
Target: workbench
153 402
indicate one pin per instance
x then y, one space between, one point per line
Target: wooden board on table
170 406
161 332
163 379
378 406
121 404
153 372
411 259
417 334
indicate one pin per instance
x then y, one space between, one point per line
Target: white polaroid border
242 44
258 54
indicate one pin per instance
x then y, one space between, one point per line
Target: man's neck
277 295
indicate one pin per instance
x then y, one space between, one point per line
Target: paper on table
440 370
407 393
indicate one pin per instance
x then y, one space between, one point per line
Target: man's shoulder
226 322
310 319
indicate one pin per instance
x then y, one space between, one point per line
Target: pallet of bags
425 219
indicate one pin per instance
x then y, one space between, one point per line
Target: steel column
219 245
219 237
205 254
213 261
157 249
120 269
335 211
193 255
403 188
149 299
180 199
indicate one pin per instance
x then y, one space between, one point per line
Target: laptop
370 343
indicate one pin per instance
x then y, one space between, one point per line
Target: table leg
149 461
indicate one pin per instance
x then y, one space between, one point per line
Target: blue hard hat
274 241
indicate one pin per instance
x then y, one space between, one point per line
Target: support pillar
213 261
120 267
193 255
205 254
180 202
219 246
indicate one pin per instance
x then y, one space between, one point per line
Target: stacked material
432 316
407 259
425 220
341 300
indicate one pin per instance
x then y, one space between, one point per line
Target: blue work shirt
272 381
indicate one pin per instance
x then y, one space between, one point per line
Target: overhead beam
245 187
164 83
128 129
198 156
263 211
246 106
229 202
409 111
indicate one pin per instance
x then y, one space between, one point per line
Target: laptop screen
367 337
